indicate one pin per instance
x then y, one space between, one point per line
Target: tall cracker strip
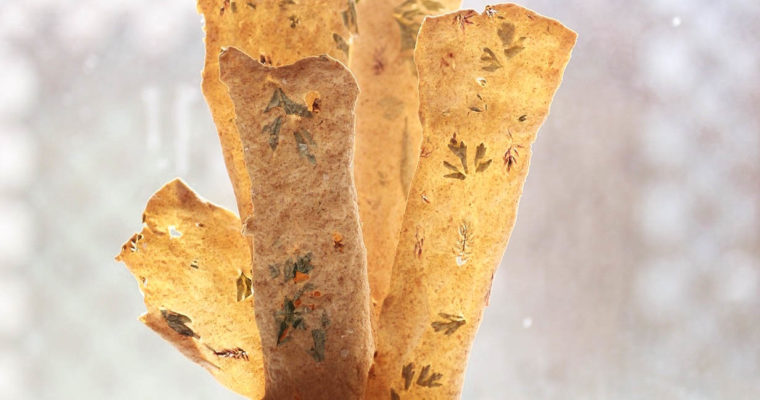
278 32
388 131
187 261
486 82
309 263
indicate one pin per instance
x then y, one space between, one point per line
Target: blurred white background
633 271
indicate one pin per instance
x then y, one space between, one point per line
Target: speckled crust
486 82
388 131
310 278
278 32
190 260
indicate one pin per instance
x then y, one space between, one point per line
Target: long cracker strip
187 262
388 131
486 82
309 263
278 32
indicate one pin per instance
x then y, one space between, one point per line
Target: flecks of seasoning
490 11
317 351
243 284
302 264
340 43
285 3
481 81
194 264
476 109
378 57
273 130
464 19
233 7
450 323
251 5
178 322
304 141
288 317
419 241
522 118
264 59
237 353
224 7
428 379
349 17
279 99
338 241
462 249
425 151
394 395
425 198
173 232
512 154
490 61
407 372
294 20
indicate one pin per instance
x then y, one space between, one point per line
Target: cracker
309 263
486 82
388 131
276 32
191 264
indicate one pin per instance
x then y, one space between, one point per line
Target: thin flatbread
486 82
191 263
278 32
388 130
309 264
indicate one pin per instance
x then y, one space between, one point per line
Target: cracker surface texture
309 264
486 82
187 262
278 33
388 130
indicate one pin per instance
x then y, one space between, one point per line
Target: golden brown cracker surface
388 131
192 265
277 32
309 263
486 82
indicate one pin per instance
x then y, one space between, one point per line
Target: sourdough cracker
309 263
278 33
388 131
191 263
486 82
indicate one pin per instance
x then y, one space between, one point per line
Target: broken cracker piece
277 32
309 262
486 82
388 130
190 261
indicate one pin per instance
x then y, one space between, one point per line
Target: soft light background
633 271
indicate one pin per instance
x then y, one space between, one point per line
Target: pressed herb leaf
506 33
340 43
178 322
450 323
408 374
489 59
427 379
483 166
318 350
394 395
303 141
460 150
279 99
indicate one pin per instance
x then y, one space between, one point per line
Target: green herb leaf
407 372
178 322
318 350
303 142
450 323
273 129
279 99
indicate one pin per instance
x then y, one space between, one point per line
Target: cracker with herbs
486 82
192 265
388 130
296 124
276 32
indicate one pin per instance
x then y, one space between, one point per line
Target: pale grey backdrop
633 271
